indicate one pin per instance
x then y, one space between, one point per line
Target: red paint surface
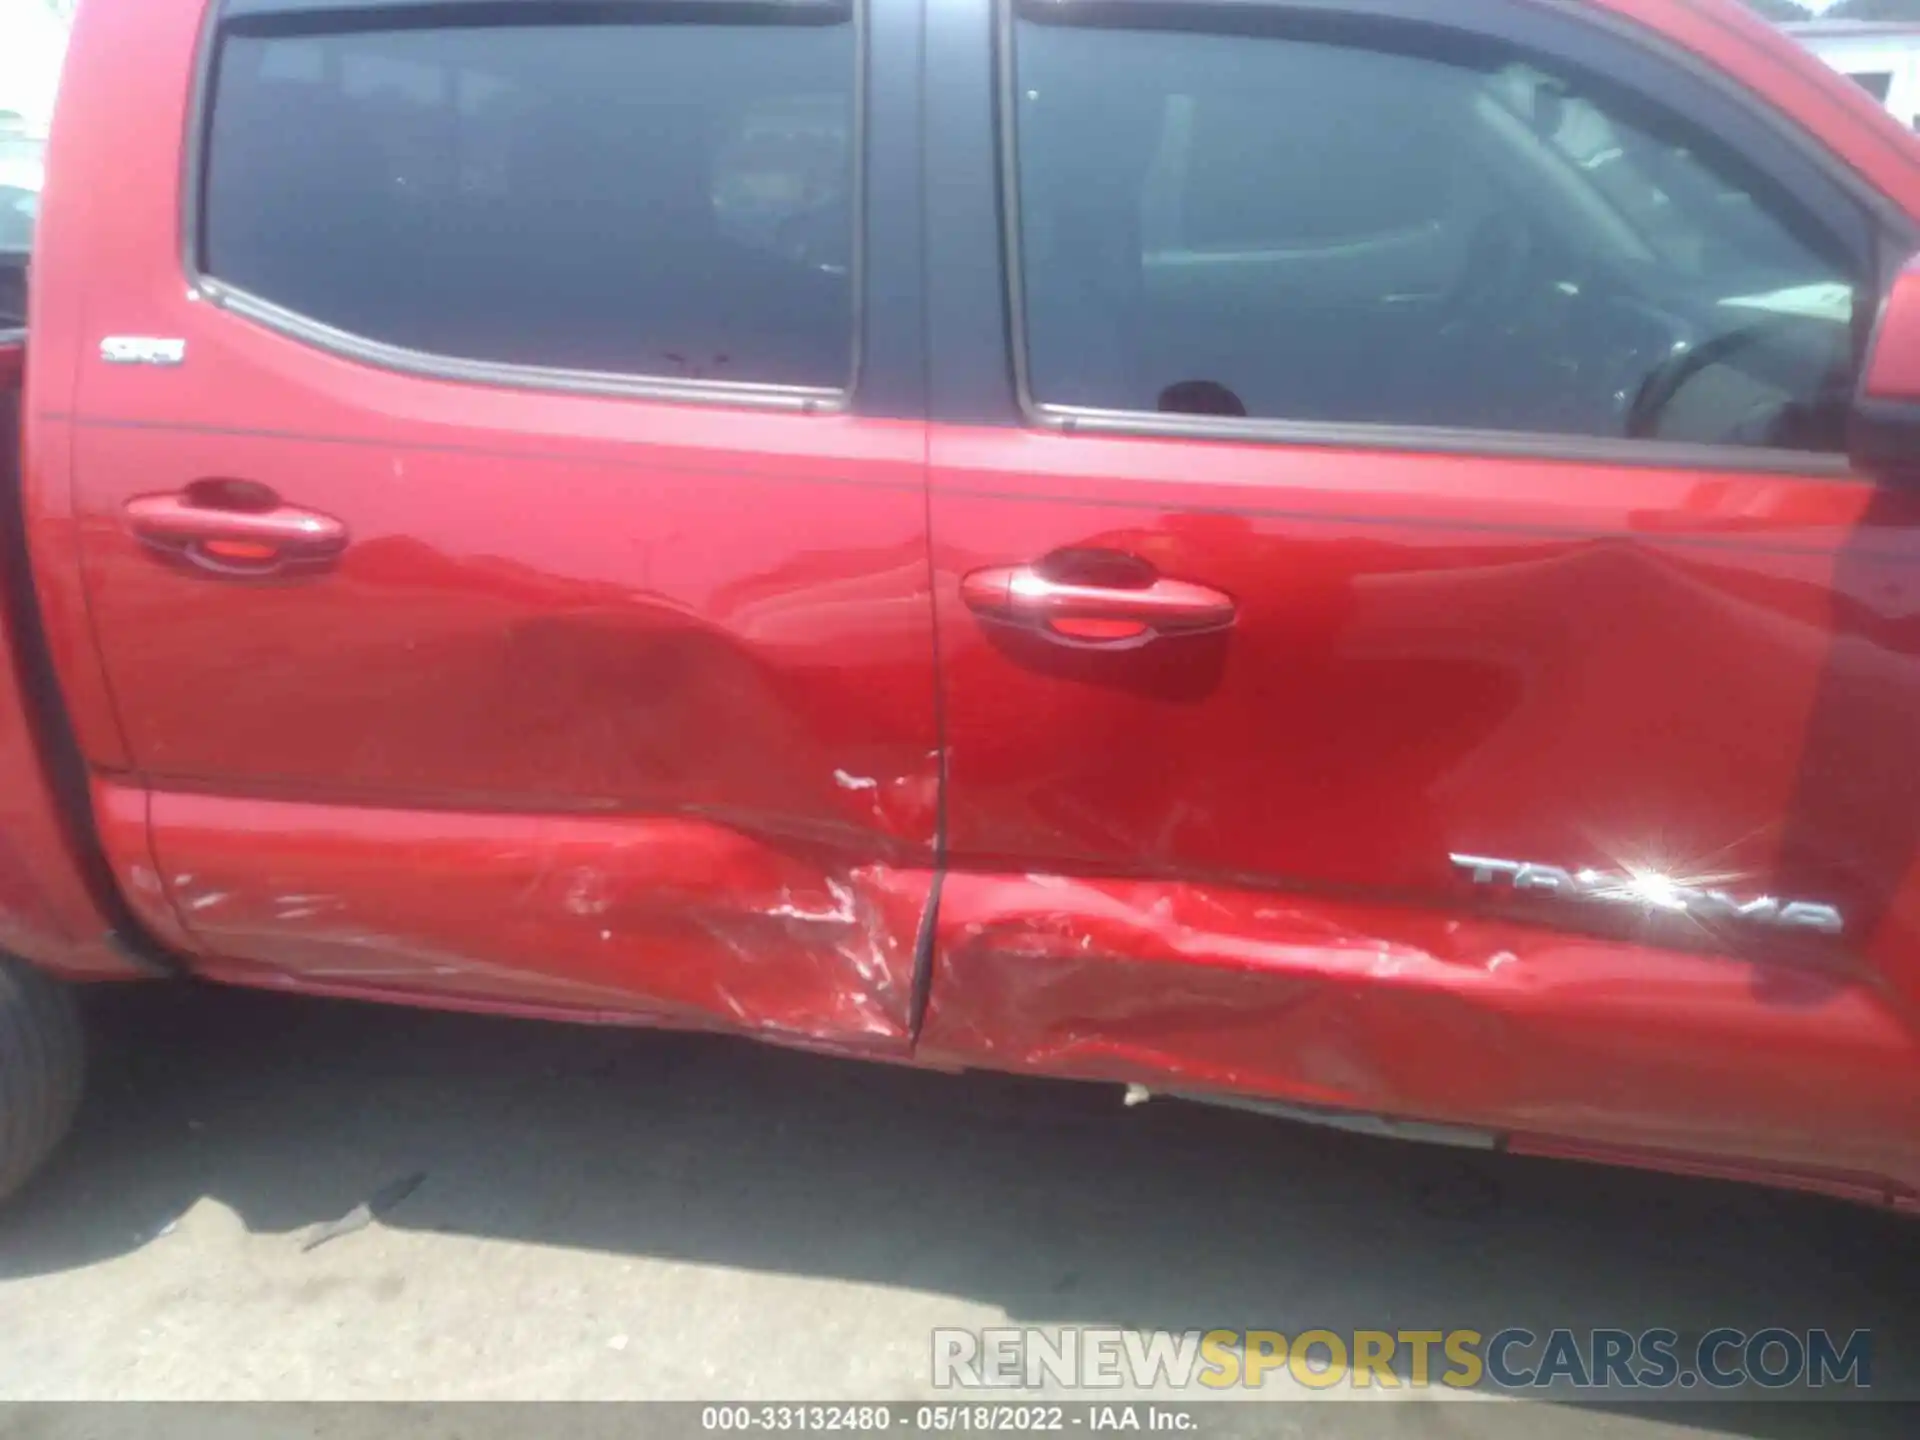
595 688
625 710
48 913
622 701
1414 1012
1544 660
1894 373
1221 862
683 920
126 840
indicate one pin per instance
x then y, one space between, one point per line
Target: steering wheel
1667 379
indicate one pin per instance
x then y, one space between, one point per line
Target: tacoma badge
1651 891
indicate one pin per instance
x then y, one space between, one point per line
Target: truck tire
42 1069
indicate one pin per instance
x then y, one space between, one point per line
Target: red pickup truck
1355 559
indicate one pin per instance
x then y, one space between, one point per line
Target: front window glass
1303 230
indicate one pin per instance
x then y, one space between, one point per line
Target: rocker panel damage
1478 1022
670 919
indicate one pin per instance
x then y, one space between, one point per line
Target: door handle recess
1095 614
236 528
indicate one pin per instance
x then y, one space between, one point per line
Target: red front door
1546 775
499 596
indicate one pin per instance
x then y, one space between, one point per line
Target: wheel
42 1069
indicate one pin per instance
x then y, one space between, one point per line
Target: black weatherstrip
892 382
923 954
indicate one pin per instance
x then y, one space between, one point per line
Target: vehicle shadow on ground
1053 1201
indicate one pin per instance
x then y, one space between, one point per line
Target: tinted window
22 174
1877 83
1316 231
650 199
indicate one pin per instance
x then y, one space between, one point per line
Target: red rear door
504 591
1410 642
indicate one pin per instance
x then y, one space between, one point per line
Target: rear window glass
671 200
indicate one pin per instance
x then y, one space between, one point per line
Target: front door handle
235 528
1096 614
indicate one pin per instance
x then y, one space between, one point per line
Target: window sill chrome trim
322 10
13 335
1440 440
433 366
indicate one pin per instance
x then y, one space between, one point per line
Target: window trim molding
1441 440
1886 221
431 365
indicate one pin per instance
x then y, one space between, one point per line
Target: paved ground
611 1214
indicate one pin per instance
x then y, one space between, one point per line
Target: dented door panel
679 920
1515 1030
1233 862
616 746
616 699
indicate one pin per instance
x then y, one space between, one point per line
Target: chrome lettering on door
1650 891
142 350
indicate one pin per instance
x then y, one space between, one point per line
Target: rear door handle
1096 614
235 528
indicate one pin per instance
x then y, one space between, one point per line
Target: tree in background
1781 10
